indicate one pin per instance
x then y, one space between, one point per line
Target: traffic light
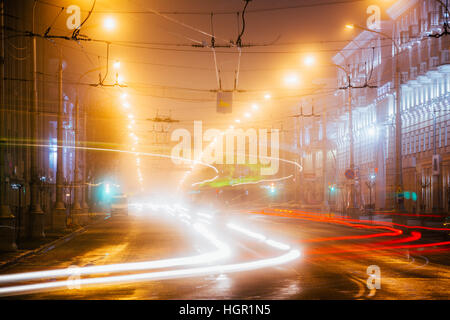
272 188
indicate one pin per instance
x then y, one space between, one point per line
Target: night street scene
231 150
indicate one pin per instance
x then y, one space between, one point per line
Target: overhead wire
223 12
219 83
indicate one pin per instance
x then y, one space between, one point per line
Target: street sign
224 101
349 174
436 160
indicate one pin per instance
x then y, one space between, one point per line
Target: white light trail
162 275
263 180
205 215
222 252
249 233
149 154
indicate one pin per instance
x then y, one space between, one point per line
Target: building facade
424 63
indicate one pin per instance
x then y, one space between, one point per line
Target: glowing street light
237 121
309 61
350 26
247 114
291 79
372 131
124 96
267 96
109 23
130 116
119 79
117 65
255 106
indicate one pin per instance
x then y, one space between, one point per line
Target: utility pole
59 215
399 201
324 161
76 209
436 172
7 219
351 205
84 188
37 215
5 210
398 135
302 116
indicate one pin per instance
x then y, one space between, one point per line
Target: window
425 140
419 142
446 130
440 137
415 144
429 140
404 146
408 146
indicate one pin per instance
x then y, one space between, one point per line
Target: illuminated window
446 129
417 143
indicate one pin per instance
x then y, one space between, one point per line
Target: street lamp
291 79
109 23
372 131
309 60
352 205
398 119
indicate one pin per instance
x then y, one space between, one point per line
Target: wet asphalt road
329 267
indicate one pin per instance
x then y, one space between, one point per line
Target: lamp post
399 205
37 215
351 203
59 215
352 206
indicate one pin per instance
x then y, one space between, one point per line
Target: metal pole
436 193
59 205
324 159
76 202
4 206
84 188
352 198
37 227
398 133
399 205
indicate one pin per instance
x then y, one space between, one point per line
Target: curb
48 246
44 247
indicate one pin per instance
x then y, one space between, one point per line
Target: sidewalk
27 247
